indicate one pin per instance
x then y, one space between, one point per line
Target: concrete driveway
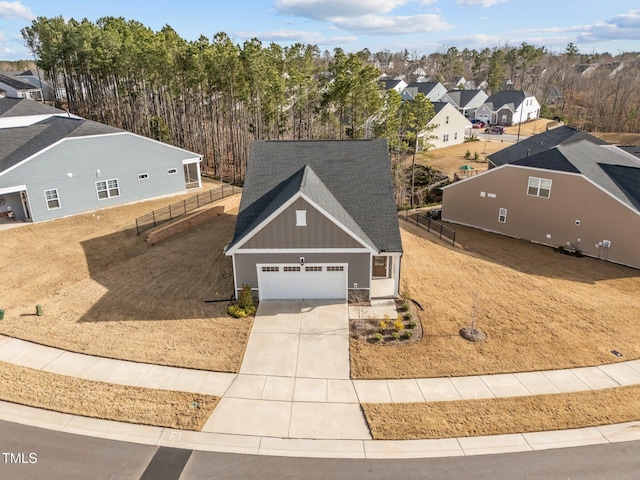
294 381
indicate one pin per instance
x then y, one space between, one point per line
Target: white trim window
445 137
108 188
172 171
539 187
301 218
53 200
502 215
143 176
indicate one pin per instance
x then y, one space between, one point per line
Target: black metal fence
431 225
178 209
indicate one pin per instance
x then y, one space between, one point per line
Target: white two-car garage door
293 281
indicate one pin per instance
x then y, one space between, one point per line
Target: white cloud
481 3
327 9
625 26
389 25
365 16
294 36
15 10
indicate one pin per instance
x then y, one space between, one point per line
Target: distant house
317 219
465 101
53 164
393 84
451 127
563 188
16 88
509 107
432 90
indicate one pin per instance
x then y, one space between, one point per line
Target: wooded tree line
213 96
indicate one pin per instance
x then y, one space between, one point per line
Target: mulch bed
365 330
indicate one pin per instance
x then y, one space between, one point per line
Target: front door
379 267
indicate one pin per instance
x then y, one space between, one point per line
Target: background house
450 126
432 90
53 164
563 188
317 219
17 88
465 101
509 107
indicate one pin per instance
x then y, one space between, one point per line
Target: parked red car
477 124
495 129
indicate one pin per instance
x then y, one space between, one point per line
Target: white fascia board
188 161
193 154
302 250
262 224
22 162
337 223
17 188
281 209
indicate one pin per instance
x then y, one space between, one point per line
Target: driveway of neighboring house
294 381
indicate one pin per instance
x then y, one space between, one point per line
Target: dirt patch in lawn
104 291
499 416
540 310
449 160
146 406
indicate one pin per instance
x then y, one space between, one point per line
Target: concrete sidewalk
294 395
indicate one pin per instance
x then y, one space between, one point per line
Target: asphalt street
28 453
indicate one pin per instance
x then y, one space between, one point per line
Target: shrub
411 325
404 305
236 311
395 335
245 300
467 154
476 156
407 316
398 325
382 326
377 337
407 334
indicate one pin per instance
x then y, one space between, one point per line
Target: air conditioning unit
606 243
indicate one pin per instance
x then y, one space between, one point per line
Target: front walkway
294 381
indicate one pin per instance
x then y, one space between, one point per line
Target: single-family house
432 90
509 107
466 101
16 88
317 220
562 188
450 126
393 84
53 164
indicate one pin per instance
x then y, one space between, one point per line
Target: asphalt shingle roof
463 97
351 180
18 144
18 107
510 98
570 150
15 83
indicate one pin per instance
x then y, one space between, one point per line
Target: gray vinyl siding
358 271
320 232
119 156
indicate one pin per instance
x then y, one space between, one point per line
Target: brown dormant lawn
541 310
147 406
104 291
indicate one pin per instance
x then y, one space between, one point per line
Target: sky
419 26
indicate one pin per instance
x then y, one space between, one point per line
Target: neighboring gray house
563 188
466 101
317 220
16 88
393 84
53 164
509 107
432 90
